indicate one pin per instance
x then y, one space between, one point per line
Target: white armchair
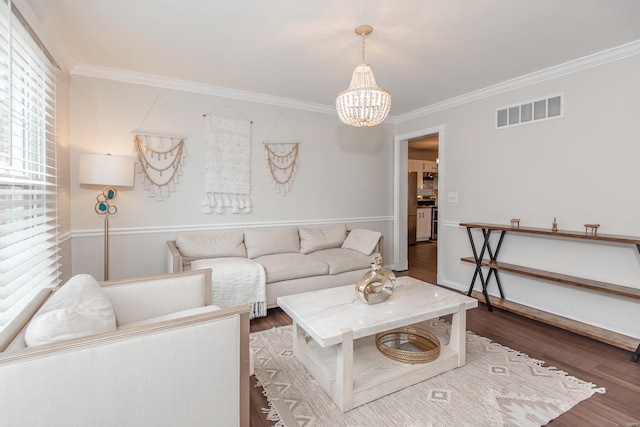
172 359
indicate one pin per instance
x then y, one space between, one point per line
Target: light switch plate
453 197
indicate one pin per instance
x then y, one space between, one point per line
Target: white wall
581 169
344 174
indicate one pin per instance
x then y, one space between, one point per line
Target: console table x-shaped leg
493 256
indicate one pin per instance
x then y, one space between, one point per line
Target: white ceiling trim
116 74
614 54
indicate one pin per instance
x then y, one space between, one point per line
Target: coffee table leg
344 372
299 340
458 334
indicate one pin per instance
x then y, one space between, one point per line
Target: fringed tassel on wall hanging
282 162
160 161
227 166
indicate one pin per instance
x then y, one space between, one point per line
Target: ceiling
422 51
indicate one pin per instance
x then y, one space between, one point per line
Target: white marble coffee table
341 353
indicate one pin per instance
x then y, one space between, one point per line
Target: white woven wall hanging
227 180
282 162
160 160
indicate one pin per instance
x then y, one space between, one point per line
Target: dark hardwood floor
589 360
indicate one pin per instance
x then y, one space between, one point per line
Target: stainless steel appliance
434 223
412 207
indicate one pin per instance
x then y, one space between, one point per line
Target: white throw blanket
237 281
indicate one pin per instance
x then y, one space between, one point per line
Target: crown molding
121 75
590 61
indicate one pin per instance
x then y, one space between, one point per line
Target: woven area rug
497 387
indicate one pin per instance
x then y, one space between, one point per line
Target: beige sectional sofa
295 259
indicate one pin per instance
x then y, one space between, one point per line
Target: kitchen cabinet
423 166
423 224
416 166
430 166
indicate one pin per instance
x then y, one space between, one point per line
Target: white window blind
28 174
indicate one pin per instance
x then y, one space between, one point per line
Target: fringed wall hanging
227 166
282 161
160 160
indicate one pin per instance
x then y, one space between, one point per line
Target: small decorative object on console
554 225
515 222
376 285
591 229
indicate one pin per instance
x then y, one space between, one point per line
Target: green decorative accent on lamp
112 171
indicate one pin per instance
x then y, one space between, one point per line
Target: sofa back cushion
363 241
271 241
211 245
326 237
79 309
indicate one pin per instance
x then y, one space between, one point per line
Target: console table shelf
609 337
595 285
603 335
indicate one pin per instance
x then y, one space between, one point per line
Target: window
28 175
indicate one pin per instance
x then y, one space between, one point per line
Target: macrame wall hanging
160 160
160 155
282 161
227 181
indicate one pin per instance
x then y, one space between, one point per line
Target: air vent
536 110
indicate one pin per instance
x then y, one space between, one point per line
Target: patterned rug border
273 415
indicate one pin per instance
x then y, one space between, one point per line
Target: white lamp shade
105 169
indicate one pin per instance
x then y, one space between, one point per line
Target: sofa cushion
315 238
270 241
79 308
341 260
211 245
291 266
361 240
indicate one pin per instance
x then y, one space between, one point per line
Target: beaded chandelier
364 103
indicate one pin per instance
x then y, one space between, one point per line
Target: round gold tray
409 344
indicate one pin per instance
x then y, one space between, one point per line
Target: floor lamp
111 172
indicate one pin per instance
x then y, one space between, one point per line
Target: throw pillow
271 241
79 308
316 238
361 240
213 245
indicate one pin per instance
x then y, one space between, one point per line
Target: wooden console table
492 263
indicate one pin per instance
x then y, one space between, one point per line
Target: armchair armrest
174 258
143 298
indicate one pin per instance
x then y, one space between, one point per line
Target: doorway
426 259
423 207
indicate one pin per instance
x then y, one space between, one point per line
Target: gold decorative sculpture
376 285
